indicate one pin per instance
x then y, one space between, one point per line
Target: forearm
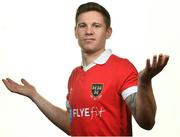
142 104
145 105
56 115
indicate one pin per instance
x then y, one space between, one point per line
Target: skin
91 33
56 115
142 104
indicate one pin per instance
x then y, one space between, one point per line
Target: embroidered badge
96 90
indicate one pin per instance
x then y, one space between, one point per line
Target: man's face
91 31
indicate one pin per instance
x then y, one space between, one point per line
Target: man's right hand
55 114
25 89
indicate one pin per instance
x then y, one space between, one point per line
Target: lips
89 39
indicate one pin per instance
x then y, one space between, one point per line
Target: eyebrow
83 23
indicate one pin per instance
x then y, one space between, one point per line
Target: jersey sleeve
68 94
70 85
128 78
69 91
68 106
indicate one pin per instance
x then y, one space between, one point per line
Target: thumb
24 82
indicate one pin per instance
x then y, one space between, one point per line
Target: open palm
25 89
153 69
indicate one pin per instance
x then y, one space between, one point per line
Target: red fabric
105 114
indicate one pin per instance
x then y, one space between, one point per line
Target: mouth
89 39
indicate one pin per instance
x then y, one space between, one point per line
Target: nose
89 31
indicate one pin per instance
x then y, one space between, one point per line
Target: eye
96 25
81 25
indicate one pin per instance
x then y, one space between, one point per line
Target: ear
108 33
75 31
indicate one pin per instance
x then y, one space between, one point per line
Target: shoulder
121 62
75 71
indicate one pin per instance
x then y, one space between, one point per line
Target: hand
153 69
26 89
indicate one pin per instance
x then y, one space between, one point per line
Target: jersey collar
102 59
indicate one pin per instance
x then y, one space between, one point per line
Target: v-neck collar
101 59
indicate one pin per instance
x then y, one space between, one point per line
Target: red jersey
95 99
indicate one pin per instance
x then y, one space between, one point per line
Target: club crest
96 90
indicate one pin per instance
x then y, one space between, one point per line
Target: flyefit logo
88 112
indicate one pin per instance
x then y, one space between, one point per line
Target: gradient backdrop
37 43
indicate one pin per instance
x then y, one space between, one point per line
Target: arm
142 104
56 115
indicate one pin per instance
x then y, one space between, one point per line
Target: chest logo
96 90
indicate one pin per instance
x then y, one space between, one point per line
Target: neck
88 58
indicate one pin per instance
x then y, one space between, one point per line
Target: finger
11 81
166 59
160 60
7 84
147 64
154 62
25 82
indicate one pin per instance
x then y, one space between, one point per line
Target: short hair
92 6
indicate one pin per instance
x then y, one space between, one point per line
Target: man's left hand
153 69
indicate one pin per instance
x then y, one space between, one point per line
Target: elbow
68 133
147 124
67 130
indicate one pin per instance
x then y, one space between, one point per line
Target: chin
88 51
88 48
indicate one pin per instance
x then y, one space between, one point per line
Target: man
105 90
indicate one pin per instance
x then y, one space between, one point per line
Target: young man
105 90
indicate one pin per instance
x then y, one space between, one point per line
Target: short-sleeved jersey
95 99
